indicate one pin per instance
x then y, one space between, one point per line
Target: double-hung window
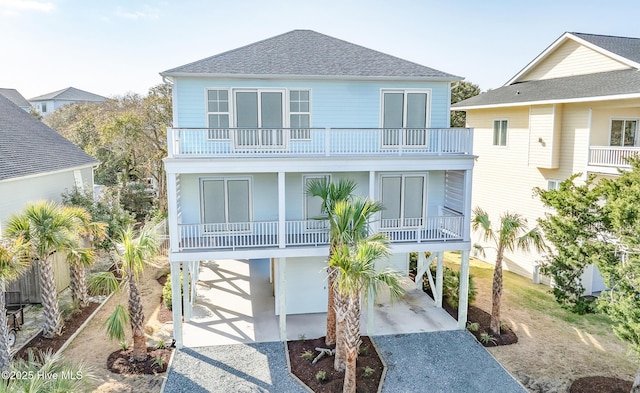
226 203
404 199
218 114
299 114
500 132
624 132
405 116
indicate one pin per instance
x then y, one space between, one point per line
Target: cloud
15 7
146 13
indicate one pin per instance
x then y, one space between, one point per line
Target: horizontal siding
572 58
602 115
346 104
541 136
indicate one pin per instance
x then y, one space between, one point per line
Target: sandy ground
92 346
551 352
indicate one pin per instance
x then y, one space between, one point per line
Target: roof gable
30 147
310 54
70 94
580 54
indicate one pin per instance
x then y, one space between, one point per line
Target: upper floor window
404 199
299 114
405 108
623 132
500 132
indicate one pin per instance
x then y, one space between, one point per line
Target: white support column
282 212
439 274
195 276
186 297
420 269
176 300
464 290
282 297
375 224
468 184
172 212
371 300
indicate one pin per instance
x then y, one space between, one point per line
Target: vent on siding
454 190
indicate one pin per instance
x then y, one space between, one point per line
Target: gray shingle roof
14 96
626 47
30 147
579 86
308 53
70 94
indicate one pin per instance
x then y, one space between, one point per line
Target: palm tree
512 235
134 253
356 275
68 377
89 232
14 262
349 224
330 193
49 228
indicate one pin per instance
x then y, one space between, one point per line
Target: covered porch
234 301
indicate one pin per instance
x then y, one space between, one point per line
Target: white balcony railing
305 233
243 142
612 156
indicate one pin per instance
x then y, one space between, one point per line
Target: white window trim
636 143
506 142
219 134
557 183
427 91
226 199
425 188
289 113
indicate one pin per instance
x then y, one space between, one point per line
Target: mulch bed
157 361
306 371
39 343
600 385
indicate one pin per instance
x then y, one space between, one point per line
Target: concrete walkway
235 304
451 361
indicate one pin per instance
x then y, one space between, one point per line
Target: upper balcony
317 142
609 158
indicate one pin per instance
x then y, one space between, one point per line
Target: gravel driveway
450 361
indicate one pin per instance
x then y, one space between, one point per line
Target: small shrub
451 286
302 337
159 362
124 345
69 310
166 292
503 327
363 350
307 355
368 372
161 344
486 338
321 376
473 326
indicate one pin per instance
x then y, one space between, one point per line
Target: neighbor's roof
14 96
626 47
70 94
29 147
310 54
599 85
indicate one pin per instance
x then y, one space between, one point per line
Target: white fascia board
271 165
313 77
41 174
556 101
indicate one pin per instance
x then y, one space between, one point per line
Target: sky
113 47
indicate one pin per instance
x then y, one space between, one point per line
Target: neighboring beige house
47 103
574 109
36 163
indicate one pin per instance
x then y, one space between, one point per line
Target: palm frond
117 323
104 283
481 221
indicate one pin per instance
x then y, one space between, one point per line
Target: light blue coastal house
252 127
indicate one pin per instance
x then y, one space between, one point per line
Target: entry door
260 118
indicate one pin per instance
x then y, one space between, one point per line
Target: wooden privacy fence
29 284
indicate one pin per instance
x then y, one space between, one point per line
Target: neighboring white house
254 125
574 109
36 163
47 103
14 96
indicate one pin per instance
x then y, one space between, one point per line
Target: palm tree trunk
5 357
330 338
352 342
341 307
494 325
636 383
137 321
78 284
52 320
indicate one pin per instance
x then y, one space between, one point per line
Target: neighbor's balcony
310 233
244 142
612 156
